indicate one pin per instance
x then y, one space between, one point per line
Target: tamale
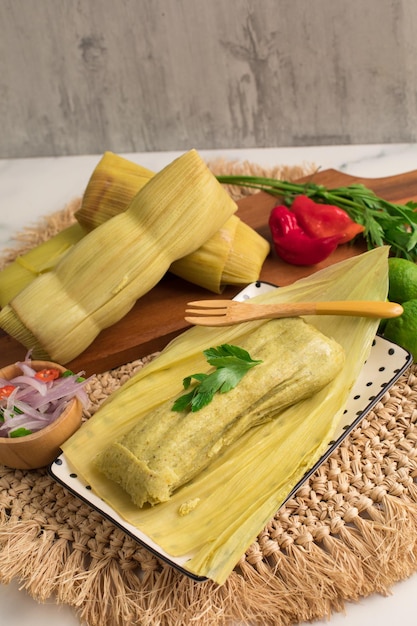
234 255
103 275
113 185
205 266
167 448
242 489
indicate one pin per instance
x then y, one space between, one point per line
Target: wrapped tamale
112 186
167 448
98 281
234 255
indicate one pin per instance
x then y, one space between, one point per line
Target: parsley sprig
386 223
231 363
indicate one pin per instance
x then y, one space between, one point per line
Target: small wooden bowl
40 448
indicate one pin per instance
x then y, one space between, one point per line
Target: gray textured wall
83 76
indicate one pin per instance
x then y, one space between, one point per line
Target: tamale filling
166 449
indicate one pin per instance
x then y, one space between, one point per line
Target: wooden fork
226 312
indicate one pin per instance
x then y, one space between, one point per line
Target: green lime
403 329
402 280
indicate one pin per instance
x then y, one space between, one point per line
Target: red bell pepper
309 232
324 220
293 244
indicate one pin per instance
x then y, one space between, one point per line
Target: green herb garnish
68 373
20 432
231 363
15 410
385 223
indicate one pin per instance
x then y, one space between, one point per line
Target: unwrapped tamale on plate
166 448
241 490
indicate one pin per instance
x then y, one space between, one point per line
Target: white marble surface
32 188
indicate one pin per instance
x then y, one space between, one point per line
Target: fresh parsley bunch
386 223
231 363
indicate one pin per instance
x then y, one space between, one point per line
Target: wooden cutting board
159 316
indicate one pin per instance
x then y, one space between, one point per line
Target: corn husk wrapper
113 184
240 492
234 255
204 267
41 259
245 257
60 313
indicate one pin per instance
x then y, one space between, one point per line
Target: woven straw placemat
350 531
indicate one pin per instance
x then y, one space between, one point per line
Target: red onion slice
34 404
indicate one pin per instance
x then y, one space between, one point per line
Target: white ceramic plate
386 363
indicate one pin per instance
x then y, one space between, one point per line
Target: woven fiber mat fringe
350 530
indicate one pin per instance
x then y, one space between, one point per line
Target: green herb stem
385 223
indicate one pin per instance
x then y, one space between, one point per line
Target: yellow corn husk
112 186
18 274
204 267
103 275
246 257
240 492
232 256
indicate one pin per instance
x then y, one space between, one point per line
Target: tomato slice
6 391
47 375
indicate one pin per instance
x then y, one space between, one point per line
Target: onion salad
34 399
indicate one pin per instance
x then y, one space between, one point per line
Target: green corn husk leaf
104 274
240 492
